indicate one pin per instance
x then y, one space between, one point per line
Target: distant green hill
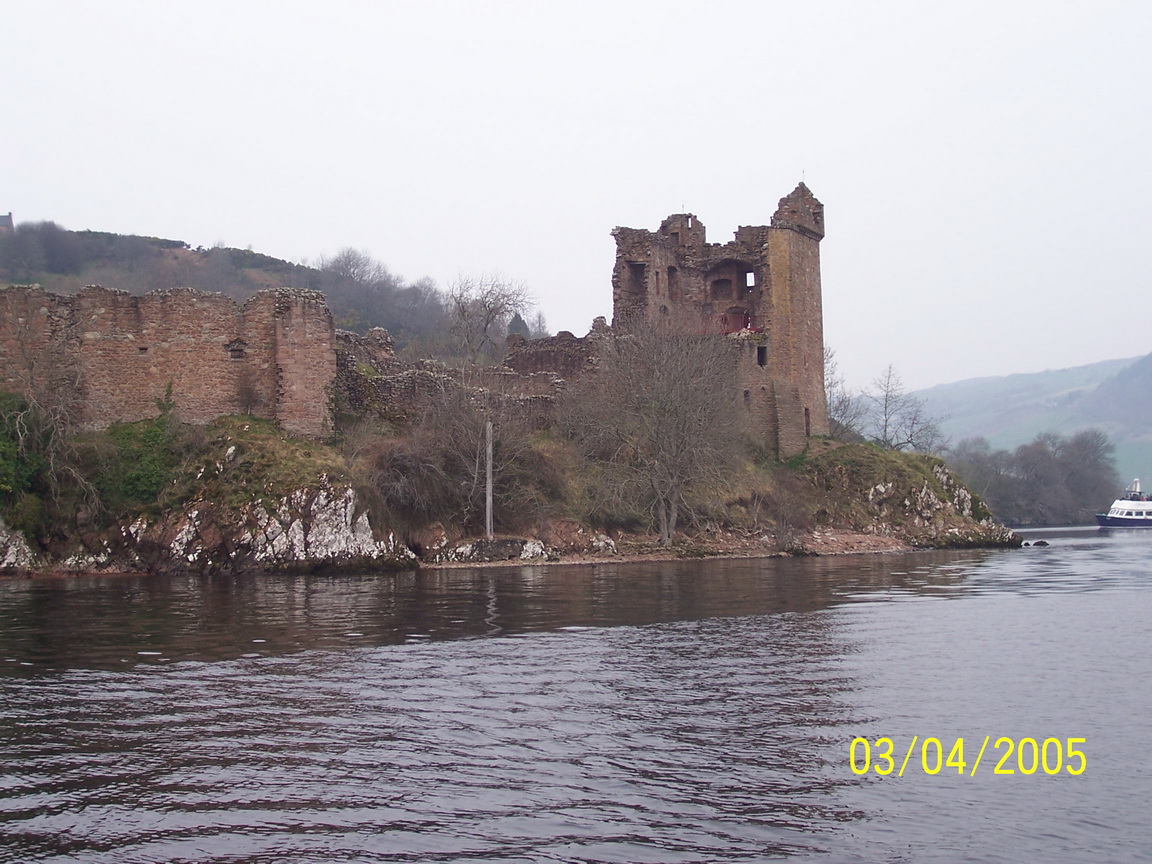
1114 396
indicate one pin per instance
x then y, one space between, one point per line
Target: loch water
697 711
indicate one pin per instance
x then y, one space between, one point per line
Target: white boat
1133 510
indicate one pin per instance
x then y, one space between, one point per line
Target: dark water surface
685 712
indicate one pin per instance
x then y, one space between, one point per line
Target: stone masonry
114 354
762 288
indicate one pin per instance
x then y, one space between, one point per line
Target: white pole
488 479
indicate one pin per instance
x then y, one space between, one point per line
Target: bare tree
437 472
659 416
538 326
480 307
40 421
845 408
897 420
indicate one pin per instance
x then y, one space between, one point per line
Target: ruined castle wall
668 280
791 436
754 383
132 347
766 283
35 337
115 354
260 383
630 293
564 354
305 360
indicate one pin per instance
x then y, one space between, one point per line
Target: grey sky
985 167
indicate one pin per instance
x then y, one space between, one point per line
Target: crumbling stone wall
765 284
372 381
38 346
568 356
272 358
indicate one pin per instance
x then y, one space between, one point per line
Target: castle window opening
636 280
747 398
142 349
761 355
750 279
807 423
237 350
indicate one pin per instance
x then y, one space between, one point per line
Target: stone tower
763 285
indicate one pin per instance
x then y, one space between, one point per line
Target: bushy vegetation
434 469
21 470
1054 480
53 486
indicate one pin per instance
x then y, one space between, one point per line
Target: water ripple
683 713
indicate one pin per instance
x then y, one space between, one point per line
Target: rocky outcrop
15 553
308 530
906 496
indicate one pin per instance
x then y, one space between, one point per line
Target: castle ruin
112 355
763 287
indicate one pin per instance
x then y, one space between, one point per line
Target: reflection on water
107 622
695 711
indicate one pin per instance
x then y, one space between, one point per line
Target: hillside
1114 396
63 261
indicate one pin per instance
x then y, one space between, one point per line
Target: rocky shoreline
512 552
849 500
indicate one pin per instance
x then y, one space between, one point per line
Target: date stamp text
933 756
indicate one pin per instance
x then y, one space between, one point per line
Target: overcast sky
985 167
